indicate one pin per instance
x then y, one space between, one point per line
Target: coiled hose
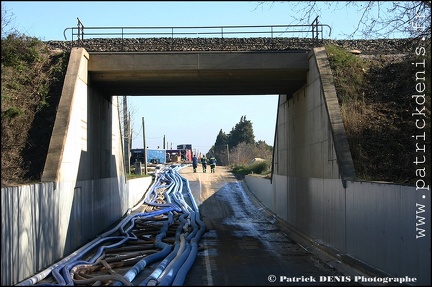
166 196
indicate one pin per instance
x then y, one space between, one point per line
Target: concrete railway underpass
313 190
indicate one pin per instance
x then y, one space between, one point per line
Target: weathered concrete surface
343 153
75 84
199 73
376 227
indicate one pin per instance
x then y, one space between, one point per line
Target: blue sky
194 120
197 120
47 20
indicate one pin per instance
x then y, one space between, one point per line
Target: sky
194 120
197 120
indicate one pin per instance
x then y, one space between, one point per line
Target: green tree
242 132
219 149
221 140
239 146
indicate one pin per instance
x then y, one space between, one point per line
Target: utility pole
130 132
227 153
164 142
145 149
126 135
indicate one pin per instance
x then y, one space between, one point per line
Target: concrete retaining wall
84 188
42 223
310 128
137 188
314 191
372 224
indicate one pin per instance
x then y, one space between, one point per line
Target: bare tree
378 18
135 128
7 18
242 154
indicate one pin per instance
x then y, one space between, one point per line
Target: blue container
156 156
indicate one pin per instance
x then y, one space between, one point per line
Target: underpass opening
205 122
201 74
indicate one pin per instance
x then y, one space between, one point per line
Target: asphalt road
242 245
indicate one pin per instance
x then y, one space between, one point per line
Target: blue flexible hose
177 258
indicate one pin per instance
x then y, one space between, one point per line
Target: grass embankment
374 93
31 82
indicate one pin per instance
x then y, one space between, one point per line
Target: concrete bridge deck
198 73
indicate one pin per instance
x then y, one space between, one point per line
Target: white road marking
207 265
206 254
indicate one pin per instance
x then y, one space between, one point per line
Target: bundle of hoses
171 196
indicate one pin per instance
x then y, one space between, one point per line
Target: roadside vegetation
261 167
132 175
375 95
31 82
239 150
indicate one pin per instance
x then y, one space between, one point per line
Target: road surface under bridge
244 245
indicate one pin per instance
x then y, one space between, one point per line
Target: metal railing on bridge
313 31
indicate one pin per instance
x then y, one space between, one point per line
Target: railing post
122 34
80 32
315 30
172 39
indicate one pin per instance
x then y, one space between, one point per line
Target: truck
155 156
186 151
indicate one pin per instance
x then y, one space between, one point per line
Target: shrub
258 167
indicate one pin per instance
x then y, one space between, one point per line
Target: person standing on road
212 162
194 163
204 163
